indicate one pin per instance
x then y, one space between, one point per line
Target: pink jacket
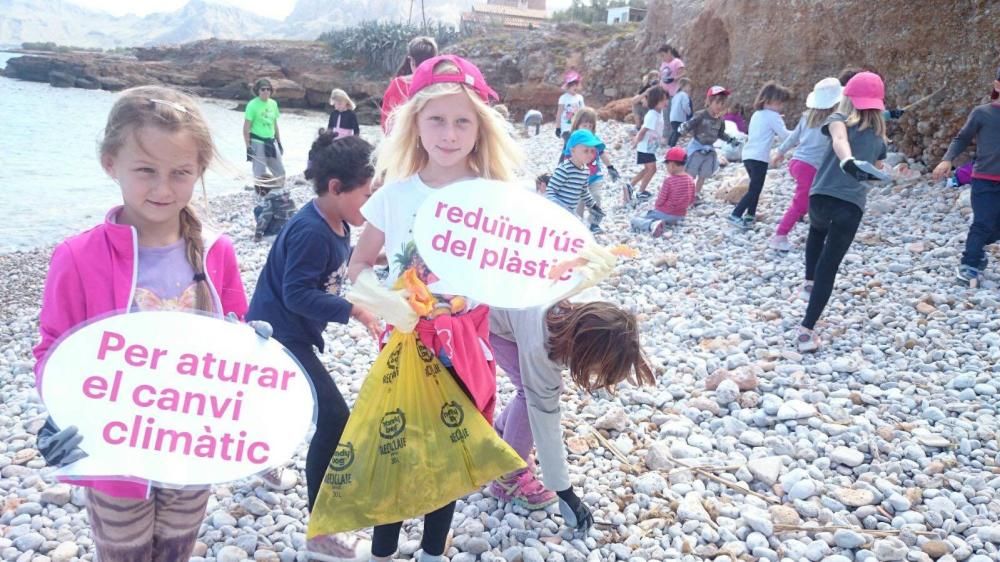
94 273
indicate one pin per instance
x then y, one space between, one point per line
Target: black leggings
330 422
757 171
675 133
832 225
437 523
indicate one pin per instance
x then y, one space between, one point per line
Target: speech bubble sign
176 398
496 243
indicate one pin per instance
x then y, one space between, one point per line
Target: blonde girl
152 252
343 121
838 194
445 133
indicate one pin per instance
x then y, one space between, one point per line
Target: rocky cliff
917 47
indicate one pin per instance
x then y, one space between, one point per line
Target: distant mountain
310 18
65 23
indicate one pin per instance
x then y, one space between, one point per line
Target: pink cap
570 76
676 154
718 91
866 91
467 75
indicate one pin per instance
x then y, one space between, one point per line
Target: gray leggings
263 163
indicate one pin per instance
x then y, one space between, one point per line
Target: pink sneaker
524 489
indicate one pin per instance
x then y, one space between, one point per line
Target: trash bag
414 443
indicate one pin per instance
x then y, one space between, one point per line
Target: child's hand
777 159
368 320
576 513
613 173
942 170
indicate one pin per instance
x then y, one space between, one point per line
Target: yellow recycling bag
414 442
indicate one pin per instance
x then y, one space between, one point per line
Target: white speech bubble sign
176 398
495 242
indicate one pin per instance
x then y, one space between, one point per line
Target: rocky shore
883 446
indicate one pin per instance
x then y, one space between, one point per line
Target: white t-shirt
653 123
569 104
392 209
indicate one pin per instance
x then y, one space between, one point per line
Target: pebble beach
882 446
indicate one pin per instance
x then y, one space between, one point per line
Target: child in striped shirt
674 199
568 185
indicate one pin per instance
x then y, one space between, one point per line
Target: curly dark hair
344 159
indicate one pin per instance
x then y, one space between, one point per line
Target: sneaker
502 487
807 340
736 221
280 478
968 275
339 547
530 494
780 243
657 229
596 229
643 195
805 291
748 221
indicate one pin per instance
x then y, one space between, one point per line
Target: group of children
155 243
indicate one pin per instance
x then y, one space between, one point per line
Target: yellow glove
387 304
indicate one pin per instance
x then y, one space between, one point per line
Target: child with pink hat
983 126
838 195
569 103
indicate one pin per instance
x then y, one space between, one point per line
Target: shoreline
867 435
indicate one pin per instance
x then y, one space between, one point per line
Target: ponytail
191 232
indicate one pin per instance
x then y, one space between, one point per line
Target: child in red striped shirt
675 197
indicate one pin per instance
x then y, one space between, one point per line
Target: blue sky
276 9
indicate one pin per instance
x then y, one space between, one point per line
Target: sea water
51 181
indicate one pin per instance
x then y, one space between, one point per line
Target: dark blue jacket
298 291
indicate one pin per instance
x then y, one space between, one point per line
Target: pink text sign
176 398
497 243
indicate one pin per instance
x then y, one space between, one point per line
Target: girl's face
574 88
663 103
340 105
448 127
349 204
589 126
157 170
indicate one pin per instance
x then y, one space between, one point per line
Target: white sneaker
780 243
657 229
279 478
807 340
339 547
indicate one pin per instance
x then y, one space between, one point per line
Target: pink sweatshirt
93 274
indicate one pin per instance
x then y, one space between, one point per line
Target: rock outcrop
917 47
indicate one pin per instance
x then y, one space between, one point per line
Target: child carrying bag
414 443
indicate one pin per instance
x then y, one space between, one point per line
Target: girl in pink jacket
151 253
